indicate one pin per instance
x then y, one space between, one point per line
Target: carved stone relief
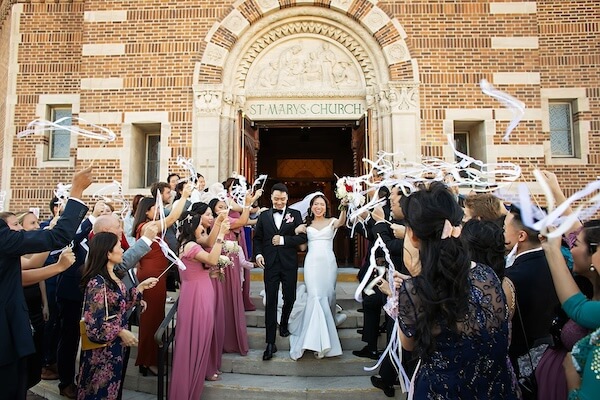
208 101
293 57
404 96
304 64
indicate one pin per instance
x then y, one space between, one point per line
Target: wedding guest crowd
478 292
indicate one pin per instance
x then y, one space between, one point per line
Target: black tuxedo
536 299
281 264
16 340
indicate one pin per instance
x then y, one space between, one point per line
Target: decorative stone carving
396 52
342 5
376 19
235 22
214 55
275 63
384 103
404 96
267 5
208 101
304 64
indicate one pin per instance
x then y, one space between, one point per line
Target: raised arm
32 276
178 209
581 310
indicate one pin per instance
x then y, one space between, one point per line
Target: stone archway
270 61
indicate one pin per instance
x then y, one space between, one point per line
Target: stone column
207 149
404 105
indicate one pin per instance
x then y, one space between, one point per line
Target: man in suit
275 246
536 297
372 304
16 341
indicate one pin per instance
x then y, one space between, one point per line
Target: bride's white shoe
339 319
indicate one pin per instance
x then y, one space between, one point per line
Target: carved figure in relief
328 60
384 104
343 74
267 77
314 72
291 67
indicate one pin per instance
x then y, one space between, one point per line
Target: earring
592 268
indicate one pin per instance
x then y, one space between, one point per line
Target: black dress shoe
378 382
283 331
366 353
268 354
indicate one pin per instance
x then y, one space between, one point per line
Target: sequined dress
473 362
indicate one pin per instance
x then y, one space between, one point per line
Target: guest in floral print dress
105 305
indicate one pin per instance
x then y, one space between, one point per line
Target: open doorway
306 159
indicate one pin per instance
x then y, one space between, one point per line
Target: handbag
86 342
527 384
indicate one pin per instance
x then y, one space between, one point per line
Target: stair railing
165 337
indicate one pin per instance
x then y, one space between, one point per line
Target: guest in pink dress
207 239
196 311
236 334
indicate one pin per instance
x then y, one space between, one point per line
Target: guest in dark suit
372 304
275 246
16 340
536 297
393 237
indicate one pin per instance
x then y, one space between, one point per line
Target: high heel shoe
147 370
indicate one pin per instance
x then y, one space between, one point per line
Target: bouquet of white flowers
230 247
347 188
218 271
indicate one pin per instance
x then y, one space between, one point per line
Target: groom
275 243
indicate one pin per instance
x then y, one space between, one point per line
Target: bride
313 326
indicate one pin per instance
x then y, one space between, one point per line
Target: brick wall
451 41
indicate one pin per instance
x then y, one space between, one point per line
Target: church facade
298 89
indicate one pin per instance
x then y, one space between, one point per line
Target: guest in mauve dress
207 239
236 334
196 311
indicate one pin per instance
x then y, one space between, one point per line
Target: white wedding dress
312 324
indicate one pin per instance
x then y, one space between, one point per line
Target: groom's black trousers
273 276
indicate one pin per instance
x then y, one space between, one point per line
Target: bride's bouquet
348 188
218 271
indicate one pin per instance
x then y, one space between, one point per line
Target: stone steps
259 387
250 377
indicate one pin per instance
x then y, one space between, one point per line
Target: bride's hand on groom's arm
300 229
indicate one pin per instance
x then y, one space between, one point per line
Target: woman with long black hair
453 315
106 302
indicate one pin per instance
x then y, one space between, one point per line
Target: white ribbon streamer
516 106
113 193
188 165
159 212
41 125
261 180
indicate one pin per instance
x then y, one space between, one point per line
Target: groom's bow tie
277 211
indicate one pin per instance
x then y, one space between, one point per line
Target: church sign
321 109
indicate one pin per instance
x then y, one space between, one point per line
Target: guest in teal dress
105 305
582 368
579 308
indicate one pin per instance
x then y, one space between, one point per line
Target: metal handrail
164 337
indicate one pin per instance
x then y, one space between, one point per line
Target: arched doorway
304 66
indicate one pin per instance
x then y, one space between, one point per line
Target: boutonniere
288 218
